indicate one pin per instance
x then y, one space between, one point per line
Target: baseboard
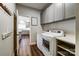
32 43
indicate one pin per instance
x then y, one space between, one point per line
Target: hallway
28 50
24 49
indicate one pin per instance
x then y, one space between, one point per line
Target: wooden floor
28 50
35 51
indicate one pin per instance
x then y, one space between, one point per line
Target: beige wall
25 11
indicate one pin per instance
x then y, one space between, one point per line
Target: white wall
25 11
6 26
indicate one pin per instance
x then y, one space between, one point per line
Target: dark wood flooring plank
36 51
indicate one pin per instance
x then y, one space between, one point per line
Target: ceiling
38 6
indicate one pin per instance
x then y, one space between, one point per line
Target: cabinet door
44 16
70 10
51 13
48 14
59 11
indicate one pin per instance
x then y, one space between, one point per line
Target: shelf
60 53
70 50
64 53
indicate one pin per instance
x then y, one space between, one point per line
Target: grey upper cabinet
48 14
70 10
59 11
51 13
45 16
54 12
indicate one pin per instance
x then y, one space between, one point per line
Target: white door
6 30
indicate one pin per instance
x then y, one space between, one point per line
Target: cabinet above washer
70 10
57 12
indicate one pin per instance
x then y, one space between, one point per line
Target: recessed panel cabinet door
45 18
51 13
48 14
70 10
6 26
59 11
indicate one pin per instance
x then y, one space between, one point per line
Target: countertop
68 38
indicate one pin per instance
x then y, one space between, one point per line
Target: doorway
23 35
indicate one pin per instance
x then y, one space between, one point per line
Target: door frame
15 34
